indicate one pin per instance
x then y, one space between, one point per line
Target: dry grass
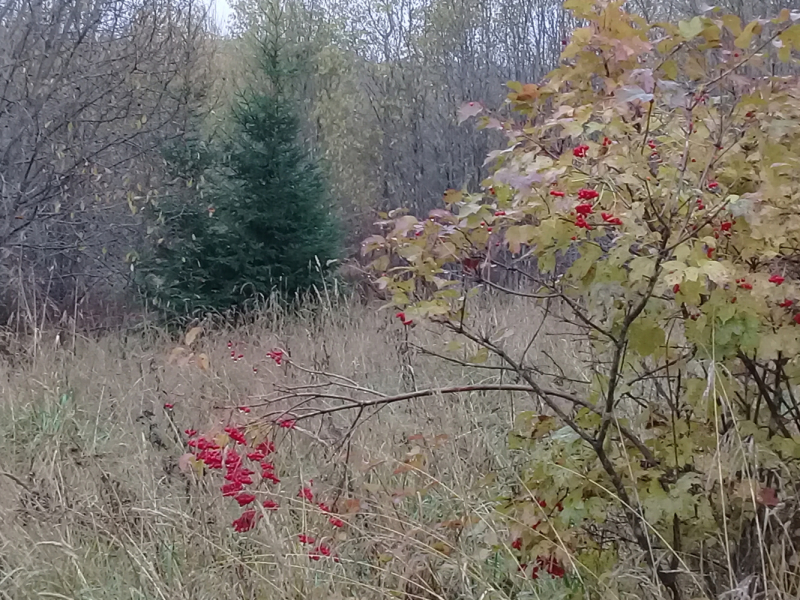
93 504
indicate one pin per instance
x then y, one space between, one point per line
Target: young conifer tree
272 227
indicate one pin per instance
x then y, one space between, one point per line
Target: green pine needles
263 222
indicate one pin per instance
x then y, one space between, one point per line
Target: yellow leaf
481 357
791 37
192 334
176 354
743 41
202 361
712 35
442 547
646 336
452 196
733 23
716 272
670 69
516 235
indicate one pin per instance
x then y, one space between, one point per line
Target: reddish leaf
767 497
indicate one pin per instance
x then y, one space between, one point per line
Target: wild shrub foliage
675 445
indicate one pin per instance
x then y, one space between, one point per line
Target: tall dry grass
93 504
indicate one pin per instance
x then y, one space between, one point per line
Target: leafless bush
88 91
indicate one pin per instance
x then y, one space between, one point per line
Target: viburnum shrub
665 159
243 456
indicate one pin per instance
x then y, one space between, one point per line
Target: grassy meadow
95 502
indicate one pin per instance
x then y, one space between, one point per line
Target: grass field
95 505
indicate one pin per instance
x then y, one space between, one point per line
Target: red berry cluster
320 550
580 151
235 356
587 194
276 355
238 458
237 474
585 208
549 564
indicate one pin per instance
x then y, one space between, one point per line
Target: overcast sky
222 11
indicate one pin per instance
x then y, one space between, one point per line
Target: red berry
246 522
587 194
336 522
306 539
580 151
245 499
777 279
231 489
676 288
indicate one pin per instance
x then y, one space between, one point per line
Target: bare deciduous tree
88 91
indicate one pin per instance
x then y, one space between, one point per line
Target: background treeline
124 124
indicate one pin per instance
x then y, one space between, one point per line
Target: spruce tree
265 224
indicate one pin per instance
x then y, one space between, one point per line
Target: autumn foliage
665 158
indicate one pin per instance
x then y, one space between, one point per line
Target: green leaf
646 336
690 29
